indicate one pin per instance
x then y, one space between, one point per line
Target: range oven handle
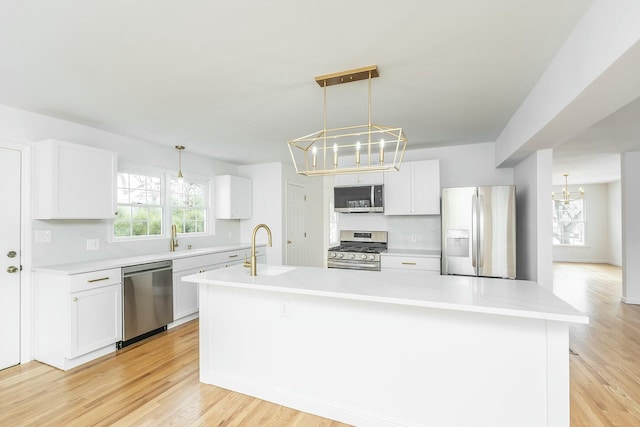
373 266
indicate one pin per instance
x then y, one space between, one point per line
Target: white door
295 224
10 255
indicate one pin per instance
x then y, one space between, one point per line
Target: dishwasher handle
134 270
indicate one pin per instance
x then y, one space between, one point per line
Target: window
188 202
139 206
568 223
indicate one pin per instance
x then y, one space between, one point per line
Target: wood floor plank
156 382
605 374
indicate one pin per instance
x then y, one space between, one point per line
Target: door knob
289 241
11 254
12 269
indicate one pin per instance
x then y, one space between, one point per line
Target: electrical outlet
43 236
414 237
93 244
284 309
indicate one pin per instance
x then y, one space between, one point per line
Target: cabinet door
185 294
425 187
369 178
95 319
397 191
73 181
233 197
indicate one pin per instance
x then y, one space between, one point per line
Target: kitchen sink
274 270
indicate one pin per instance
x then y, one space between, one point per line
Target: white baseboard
182 320
626 300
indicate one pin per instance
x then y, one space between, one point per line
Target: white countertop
472 294
427 253
88 266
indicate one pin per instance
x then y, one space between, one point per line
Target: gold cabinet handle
75 299
408 263
233 256
98 280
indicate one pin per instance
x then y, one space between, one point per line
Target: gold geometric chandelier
567 196
352 149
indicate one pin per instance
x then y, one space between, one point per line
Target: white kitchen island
378 348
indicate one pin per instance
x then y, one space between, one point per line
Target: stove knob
333 254
372 257
340 255
364 256
353 256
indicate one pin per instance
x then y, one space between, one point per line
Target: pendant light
180 148
567 196
352 149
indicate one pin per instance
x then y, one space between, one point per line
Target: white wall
630 173
534 232
597 244
68 242
267 208
615 223
465 165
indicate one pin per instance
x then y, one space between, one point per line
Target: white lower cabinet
185 294
78 317
410 263
94 319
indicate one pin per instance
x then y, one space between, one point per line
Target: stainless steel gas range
358 250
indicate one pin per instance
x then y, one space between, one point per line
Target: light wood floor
156 382
605 372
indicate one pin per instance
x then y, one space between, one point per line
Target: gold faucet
254 259
173 243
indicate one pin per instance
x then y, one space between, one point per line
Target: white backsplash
424 228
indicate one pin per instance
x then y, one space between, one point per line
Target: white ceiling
235 80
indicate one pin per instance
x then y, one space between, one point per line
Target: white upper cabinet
369 178
414 189
233 197
73 181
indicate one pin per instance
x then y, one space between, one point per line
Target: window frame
583 221
162 206
166 208
208 206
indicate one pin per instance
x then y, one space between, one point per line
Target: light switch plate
93 244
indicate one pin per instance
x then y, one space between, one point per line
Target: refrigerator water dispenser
458 243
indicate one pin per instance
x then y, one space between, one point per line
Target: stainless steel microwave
356 199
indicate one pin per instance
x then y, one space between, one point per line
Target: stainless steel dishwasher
147 300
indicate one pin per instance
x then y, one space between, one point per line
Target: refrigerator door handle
474 228
480 231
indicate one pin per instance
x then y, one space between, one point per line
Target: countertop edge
69 269
524 313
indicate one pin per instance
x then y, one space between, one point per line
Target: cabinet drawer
95 279
410 263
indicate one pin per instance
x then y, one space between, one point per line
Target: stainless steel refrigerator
479 231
